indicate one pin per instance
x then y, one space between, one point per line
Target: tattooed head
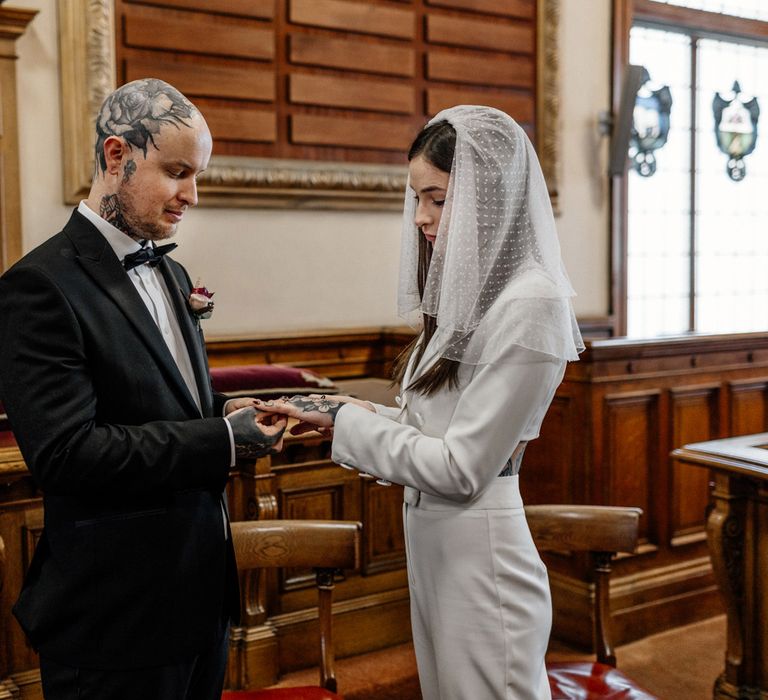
137 111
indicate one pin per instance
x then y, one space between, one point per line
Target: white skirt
481 610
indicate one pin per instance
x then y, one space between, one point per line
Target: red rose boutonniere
201 301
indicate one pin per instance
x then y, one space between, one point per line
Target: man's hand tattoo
250 451
250 441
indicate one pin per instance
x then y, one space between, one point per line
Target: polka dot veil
496 276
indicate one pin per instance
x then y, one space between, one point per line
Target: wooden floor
681 664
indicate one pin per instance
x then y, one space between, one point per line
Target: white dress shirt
153 291
151 287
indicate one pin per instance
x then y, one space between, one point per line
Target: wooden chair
325 545
602 531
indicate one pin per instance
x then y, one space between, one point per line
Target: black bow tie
148 255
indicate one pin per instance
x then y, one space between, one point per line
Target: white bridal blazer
454 443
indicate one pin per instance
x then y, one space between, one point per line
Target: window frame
698 24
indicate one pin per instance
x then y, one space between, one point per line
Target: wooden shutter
331 80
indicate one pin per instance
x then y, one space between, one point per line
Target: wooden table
737 532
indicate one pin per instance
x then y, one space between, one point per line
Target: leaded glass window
658 235
731 217
697 250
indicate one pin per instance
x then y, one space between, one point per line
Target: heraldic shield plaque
650 125
736 129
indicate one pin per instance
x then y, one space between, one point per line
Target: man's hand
256 433
234 404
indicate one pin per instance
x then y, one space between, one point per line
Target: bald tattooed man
104 377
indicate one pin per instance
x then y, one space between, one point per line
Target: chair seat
305 693
592 681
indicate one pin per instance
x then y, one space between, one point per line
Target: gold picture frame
87 56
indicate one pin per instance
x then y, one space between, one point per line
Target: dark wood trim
338 354
632 348
700 21
622 22
347 353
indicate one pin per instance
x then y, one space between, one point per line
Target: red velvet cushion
309 693
268 381
588 681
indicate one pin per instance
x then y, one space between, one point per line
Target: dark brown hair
436 143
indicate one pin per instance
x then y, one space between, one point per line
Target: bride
481 271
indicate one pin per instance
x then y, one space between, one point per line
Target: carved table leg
738 537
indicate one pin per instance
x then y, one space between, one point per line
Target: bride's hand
367 405
318 411
314 412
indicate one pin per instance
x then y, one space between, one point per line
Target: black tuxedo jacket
135 565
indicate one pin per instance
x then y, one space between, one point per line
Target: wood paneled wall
606 439
343 354
332 80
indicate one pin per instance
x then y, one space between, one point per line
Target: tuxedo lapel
191 336
98 260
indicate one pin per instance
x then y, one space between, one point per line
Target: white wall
585 44
286 270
